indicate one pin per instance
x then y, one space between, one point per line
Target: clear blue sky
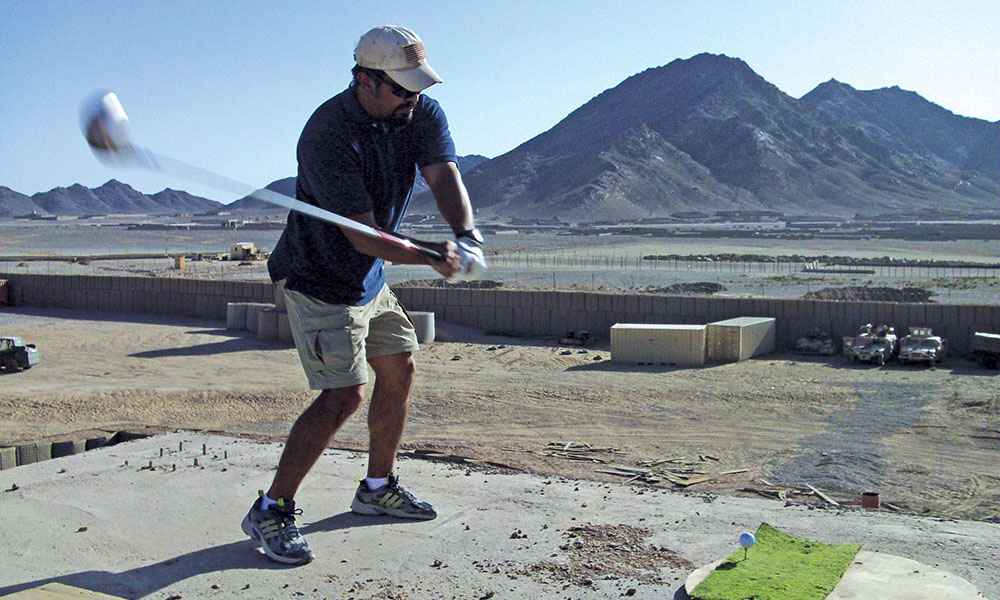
228 85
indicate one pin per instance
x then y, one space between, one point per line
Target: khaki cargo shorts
335 341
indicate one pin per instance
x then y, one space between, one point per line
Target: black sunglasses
397 90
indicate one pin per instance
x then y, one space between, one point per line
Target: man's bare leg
387 412
311 434
386 420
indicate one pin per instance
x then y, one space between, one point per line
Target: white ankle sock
266 502
375 483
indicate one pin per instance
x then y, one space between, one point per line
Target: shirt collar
357 113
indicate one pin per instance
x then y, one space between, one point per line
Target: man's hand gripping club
469 245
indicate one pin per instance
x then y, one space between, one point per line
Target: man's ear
366 81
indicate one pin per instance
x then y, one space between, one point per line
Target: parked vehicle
874 345
16 355
921 346
816 341
986 349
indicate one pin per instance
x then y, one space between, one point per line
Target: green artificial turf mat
778 567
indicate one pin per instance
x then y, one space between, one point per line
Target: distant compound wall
522 312
515 312
164 295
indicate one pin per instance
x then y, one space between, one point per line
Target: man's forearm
451 196
389 252
456 209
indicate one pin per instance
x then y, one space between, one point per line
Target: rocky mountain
114 197
286 186
181 201
14 203
708 133
465 164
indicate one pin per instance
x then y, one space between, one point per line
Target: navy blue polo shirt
351 164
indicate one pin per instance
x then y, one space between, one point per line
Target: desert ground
927 440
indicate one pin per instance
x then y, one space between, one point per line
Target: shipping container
644 343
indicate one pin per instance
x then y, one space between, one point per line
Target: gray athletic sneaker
390 499
276 531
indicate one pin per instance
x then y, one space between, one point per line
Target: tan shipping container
644 343
738 339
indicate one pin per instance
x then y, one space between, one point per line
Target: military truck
920 345
985 349
816 341
874 345
16 355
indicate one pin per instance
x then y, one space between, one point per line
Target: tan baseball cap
400 53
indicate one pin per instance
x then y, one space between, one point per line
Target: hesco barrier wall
165 295
516 312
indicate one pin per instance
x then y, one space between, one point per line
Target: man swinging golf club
356 157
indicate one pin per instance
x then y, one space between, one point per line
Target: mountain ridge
709 133
112 197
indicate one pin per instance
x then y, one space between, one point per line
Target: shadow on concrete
349 520
231 345
223 332
144 581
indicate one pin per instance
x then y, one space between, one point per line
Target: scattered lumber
578 451
825 498
677 470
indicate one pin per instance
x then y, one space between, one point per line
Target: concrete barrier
267 324
423 323
8 458
284 328
28 454
279 295
236 316
95 442
253 310
68 448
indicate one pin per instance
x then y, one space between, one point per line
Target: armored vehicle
16 355
920 345
816 341
874 345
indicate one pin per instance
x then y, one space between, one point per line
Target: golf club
105 126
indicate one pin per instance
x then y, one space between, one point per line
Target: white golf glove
470 250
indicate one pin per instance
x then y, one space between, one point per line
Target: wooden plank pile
677 470
579 451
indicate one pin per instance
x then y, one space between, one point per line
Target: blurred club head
105 127
104 122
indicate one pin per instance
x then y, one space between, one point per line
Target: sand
926 439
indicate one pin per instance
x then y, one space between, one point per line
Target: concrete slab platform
141 520
58 591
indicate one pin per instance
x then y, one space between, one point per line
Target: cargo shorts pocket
330 350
